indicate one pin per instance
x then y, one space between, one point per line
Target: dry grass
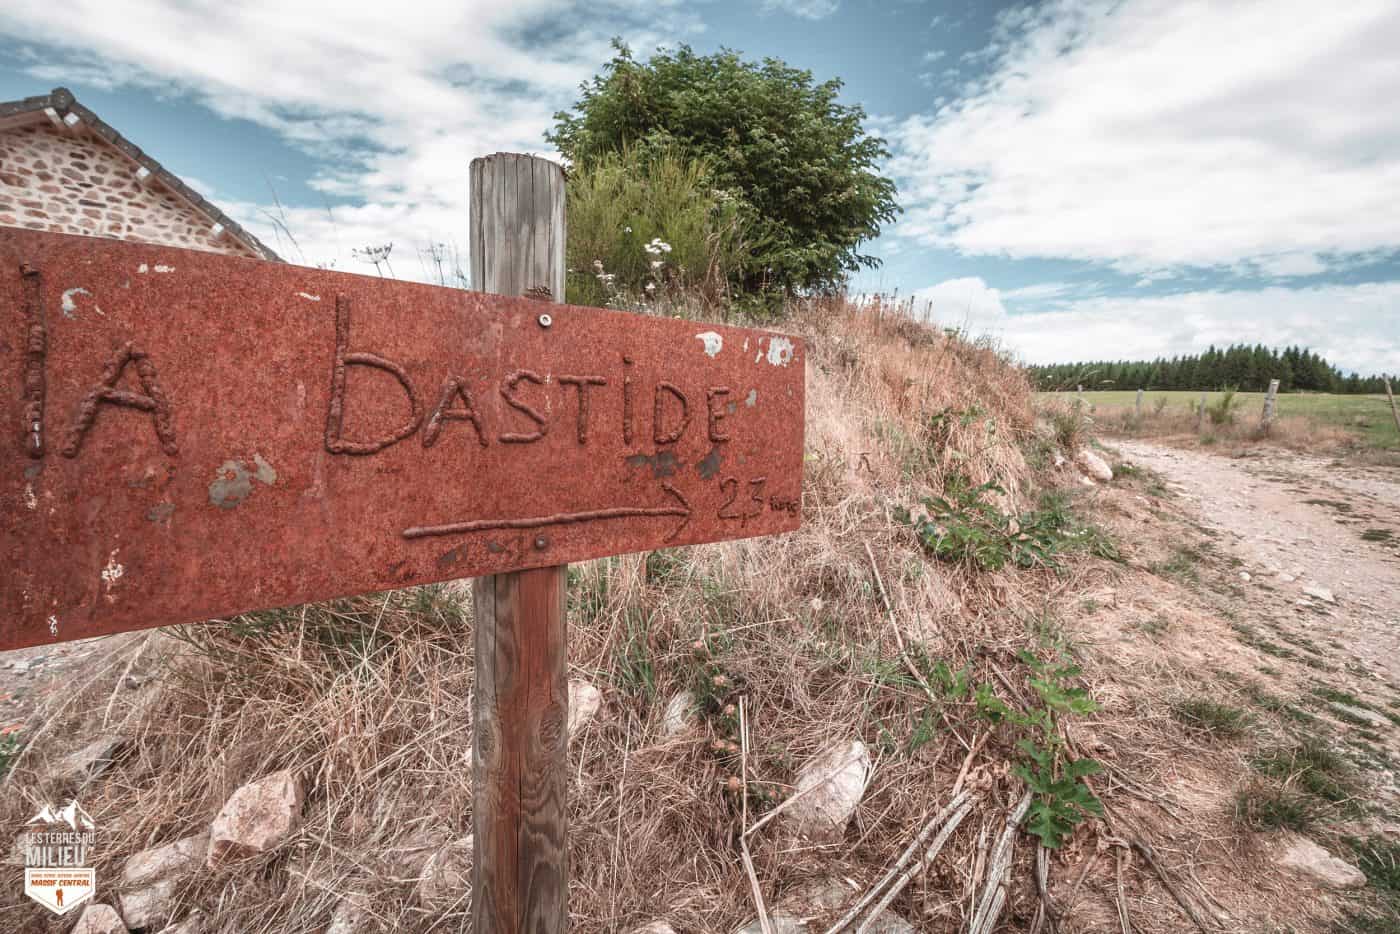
370 698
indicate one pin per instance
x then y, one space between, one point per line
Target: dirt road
1303 529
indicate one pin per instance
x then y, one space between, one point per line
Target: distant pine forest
1239 366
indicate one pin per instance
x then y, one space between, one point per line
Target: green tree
800 163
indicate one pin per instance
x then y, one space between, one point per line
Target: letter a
106 391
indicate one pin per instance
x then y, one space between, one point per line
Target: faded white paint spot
751 398
113 571
309 297
160 268
143 268
265 471
758 356
712 341
779 351
746 345
30 500
53 625
70 306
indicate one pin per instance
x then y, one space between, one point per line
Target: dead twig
989 906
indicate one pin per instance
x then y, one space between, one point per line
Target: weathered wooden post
520 877
1201 414
1395 412
1269 398
1139 404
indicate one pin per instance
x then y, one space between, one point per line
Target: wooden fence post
520 876
1139 404
1201 414
1393 410
1269 398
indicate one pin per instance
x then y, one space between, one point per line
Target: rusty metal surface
189 436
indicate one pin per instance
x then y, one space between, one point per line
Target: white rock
1321 593
173 860
679 714
149 906
352 916
194 924
1059 459
836 778
803 911
584 701
1093 465
256 818
99 919
1244 576
405 859
90 761
1311 860
1286 577
447 875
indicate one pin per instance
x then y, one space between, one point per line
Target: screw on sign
208 435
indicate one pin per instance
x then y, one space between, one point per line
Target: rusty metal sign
189 436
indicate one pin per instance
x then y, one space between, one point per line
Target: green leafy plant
963 525
798 162
647 225
10 747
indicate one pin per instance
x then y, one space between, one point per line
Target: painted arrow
562 518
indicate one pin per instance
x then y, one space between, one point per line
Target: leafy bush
646 225
800 164
962 525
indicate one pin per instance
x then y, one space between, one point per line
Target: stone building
62 169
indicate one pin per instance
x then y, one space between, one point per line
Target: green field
1368 417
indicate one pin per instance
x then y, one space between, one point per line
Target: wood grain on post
1269 398
520 877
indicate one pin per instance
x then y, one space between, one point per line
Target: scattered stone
1059 459
1286 577
584 701
655 927
1321 593
149 906
1093 465
836 778
404 860
1085 481
679 714
99 919
1244 576
1311 860
447 875
90 761
1360 713
810 908
256 818
173 860
194 924
352 916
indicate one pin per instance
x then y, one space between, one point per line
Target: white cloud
1354 326
1154 134
395 99
807 9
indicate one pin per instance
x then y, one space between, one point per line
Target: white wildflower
657 264
651 286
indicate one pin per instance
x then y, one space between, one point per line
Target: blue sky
1081 178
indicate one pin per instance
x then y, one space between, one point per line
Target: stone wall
77 184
